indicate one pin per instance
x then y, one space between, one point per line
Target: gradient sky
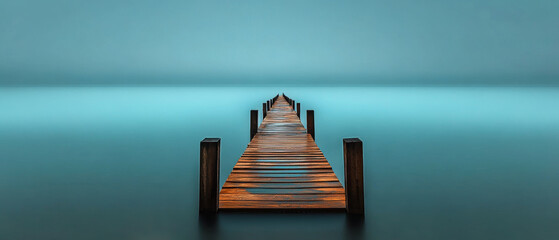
231 40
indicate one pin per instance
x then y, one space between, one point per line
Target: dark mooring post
263 111
268 105
253 123
310 123
353 170
293 105
299 110
209 175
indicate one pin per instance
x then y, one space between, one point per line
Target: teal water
122 162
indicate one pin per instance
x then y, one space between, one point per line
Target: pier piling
209 175
253 123
310 123
353 175
264 112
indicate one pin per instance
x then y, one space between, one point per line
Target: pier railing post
293 105
268 105
264 110
299 110
209 175
310 123
353 176
253 123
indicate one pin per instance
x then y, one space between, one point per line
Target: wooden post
209 175
263 111
253 123
310 123
353 176
299 110
268 105
293 105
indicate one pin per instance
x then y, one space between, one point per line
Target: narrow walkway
282 169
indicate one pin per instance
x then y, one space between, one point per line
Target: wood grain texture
282 168
353 170
310 123
264 110
253 123
209 175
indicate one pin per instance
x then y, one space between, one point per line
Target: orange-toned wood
282 169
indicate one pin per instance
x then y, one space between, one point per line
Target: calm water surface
122 162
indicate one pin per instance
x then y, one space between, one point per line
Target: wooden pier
282 168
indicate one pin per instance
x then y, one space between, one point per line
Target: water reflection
208 226
230 225
355 226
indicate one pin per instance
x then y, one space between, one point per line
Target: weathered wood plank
281 204
281 180
335 190
311 171
280 175
229 184
282 197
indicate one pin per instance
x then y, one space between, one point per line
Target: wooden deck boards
282 169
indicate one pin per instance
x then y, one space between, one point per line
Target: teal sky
263 41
